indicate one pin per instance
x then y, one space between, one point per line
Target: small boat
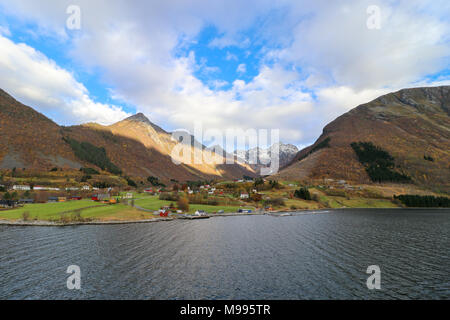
285 215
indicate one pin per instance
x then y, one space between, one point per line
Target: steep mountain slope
30 140
136 146
139 128
412 125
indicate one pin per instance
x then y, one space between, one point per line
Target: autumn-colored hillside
134 146
412 125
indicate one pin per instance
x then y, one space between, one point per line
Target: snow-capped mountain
260 157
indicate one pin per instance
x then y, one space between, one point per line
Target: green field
153 203
47 211
88 210
342 202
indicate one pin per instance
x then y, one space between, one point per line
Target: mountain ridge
411 124
136 145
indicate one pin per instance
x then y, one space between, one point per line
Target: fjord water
306 256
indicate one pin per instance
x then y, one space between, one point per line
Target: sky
290 65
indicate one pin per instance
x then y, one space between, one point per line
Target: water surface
307 256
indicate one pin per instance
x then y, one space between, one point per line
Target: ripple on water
303 256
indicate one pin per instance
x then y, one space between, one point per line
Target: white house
21 187
85 188
244 196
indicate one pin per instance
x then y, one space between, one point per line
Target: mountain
29 139
139 128
134 147
287 153
406 136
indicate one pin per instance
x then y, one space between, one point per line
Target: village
186 200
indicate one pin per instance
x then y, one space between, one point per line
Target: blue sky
287 65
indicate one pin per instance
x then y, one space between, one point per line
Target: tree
258 182
25 216
7 196
183 204
274 184
379 164
302 193
130 182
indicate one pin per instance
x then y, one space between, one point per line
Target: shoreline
43 223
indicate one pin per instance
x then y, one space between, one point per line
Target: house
40 188
8 203
26 201
150 190
164 213
52 199
210 192
21 187
244 196
200 213
100 197
85 188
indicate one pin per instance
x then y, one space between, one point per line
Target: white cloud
4 30
37 81
318 59
242 68
231 56
337 45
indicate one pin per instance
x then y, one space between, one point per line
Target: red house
164 214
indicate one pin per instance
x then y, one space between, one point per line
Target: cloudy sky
291 65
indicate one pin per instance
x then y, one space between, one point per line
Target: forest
379 164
